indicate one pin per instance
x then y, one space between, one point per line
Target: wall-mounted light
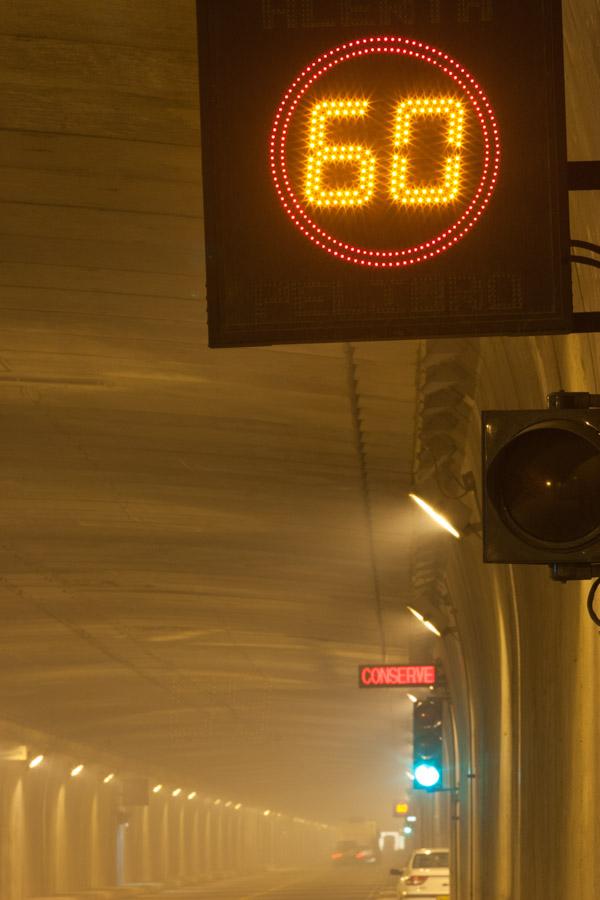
157 788
238 806
267 812
192 795
109 778
218 801
176 792
77 770
429 625
36 761
416 613
435 514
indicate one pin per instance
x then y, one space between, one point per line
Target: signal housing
541 486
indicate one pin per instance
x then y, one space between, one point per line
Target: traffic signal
541 486
428 745
401 810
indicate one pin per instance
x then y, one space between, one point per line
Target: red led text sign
395 676
383 170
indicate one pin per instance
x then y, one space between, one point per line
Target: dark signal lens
547 481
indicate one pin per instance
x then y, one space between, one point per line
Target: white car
426 876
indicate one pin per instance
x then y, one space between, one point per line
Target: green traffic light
427 776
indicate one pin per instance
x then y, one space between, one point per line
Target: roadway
322 884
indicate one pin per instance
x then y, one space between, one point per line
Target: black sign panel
377 170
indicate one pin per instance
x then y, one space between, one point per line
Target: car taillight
416 879
336 855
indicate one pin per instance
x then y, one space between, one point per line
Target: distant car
352 853
426 876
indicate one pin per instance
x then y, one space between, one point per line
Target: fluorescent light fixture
432 628
157 788
218 801
228 804
36 761
109 778
176 792
416 613
77 770
238 806
192 795
436 516
267 812
412 698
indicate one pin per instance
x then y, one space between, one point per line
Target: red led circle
413 50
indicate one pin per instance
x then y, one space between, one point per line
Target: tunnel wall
61 834
524 665
522 655
550 653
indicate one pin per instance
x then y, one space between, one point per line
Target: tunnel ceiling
198 547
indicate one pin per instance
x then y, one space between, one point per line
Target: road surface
330 884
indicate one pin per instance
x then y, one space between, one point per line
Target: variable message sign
383 170
396 676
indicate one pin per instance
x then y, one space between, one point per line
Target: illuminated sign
395 676
383 170
422 180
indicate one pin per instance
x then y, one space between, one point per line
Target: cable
586 261
590 603
353 393
586 245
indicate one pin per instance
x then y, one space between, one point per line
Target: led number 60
321 154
